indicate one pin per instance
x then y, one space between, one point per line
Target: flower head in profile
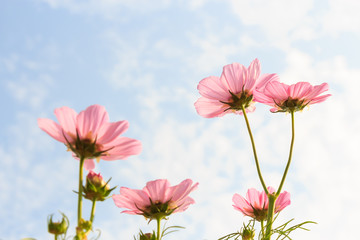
157 199
256 203
89 134
291 98
231 92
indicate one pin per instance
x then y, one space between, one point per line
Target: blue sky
142 60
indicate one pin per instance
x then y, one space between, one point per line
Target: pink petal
111 131
234 77
320 99
91 120
131 199
253 196
52 128
182 190
317 90
253 73
121 148
209 108
282 201
212 88
89 164
157 190
276 90
265 79
242 205
184 204
67 119
299 90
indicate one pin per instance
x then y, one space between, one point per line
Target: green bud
96 188
58 228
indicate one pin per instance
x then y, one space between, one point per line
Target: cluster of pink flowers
90 135
239 87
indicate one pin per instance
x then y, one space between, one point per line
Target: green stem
262 228
270 216
92 211
290 154
82 159
254 151
158 228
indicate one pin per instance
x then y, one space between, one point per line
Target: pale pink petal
111 131
131 199
261 97
210 108
242 205
91 120
89 164
52 128
265 79
157 190
122 148
184 204
320 99
282 201
67 119
253 73
276 90
233 77
212 88
253 196
299 90
317 90
182 190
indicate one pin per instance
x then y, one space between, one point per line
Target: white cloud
341 16
280 20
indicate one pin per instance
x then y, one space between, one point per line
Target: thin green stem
290 154
93 210
82 160
158 228
262 228
270 216
254 151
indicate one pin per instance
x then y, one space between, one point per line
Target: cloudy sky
142 60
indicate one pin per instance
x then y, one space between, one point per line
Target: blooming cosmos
89 134
157 199
256 203
291 98
232 91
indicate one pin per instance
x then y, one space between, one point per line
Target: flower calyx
158 210
239 101
85 148
291 105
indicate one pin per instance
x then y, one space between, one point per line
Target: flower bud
96 188
58 228
248 234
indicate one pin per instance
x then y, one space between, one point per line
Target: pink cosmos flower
234 89
256 203
157 199
285 98
89 134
